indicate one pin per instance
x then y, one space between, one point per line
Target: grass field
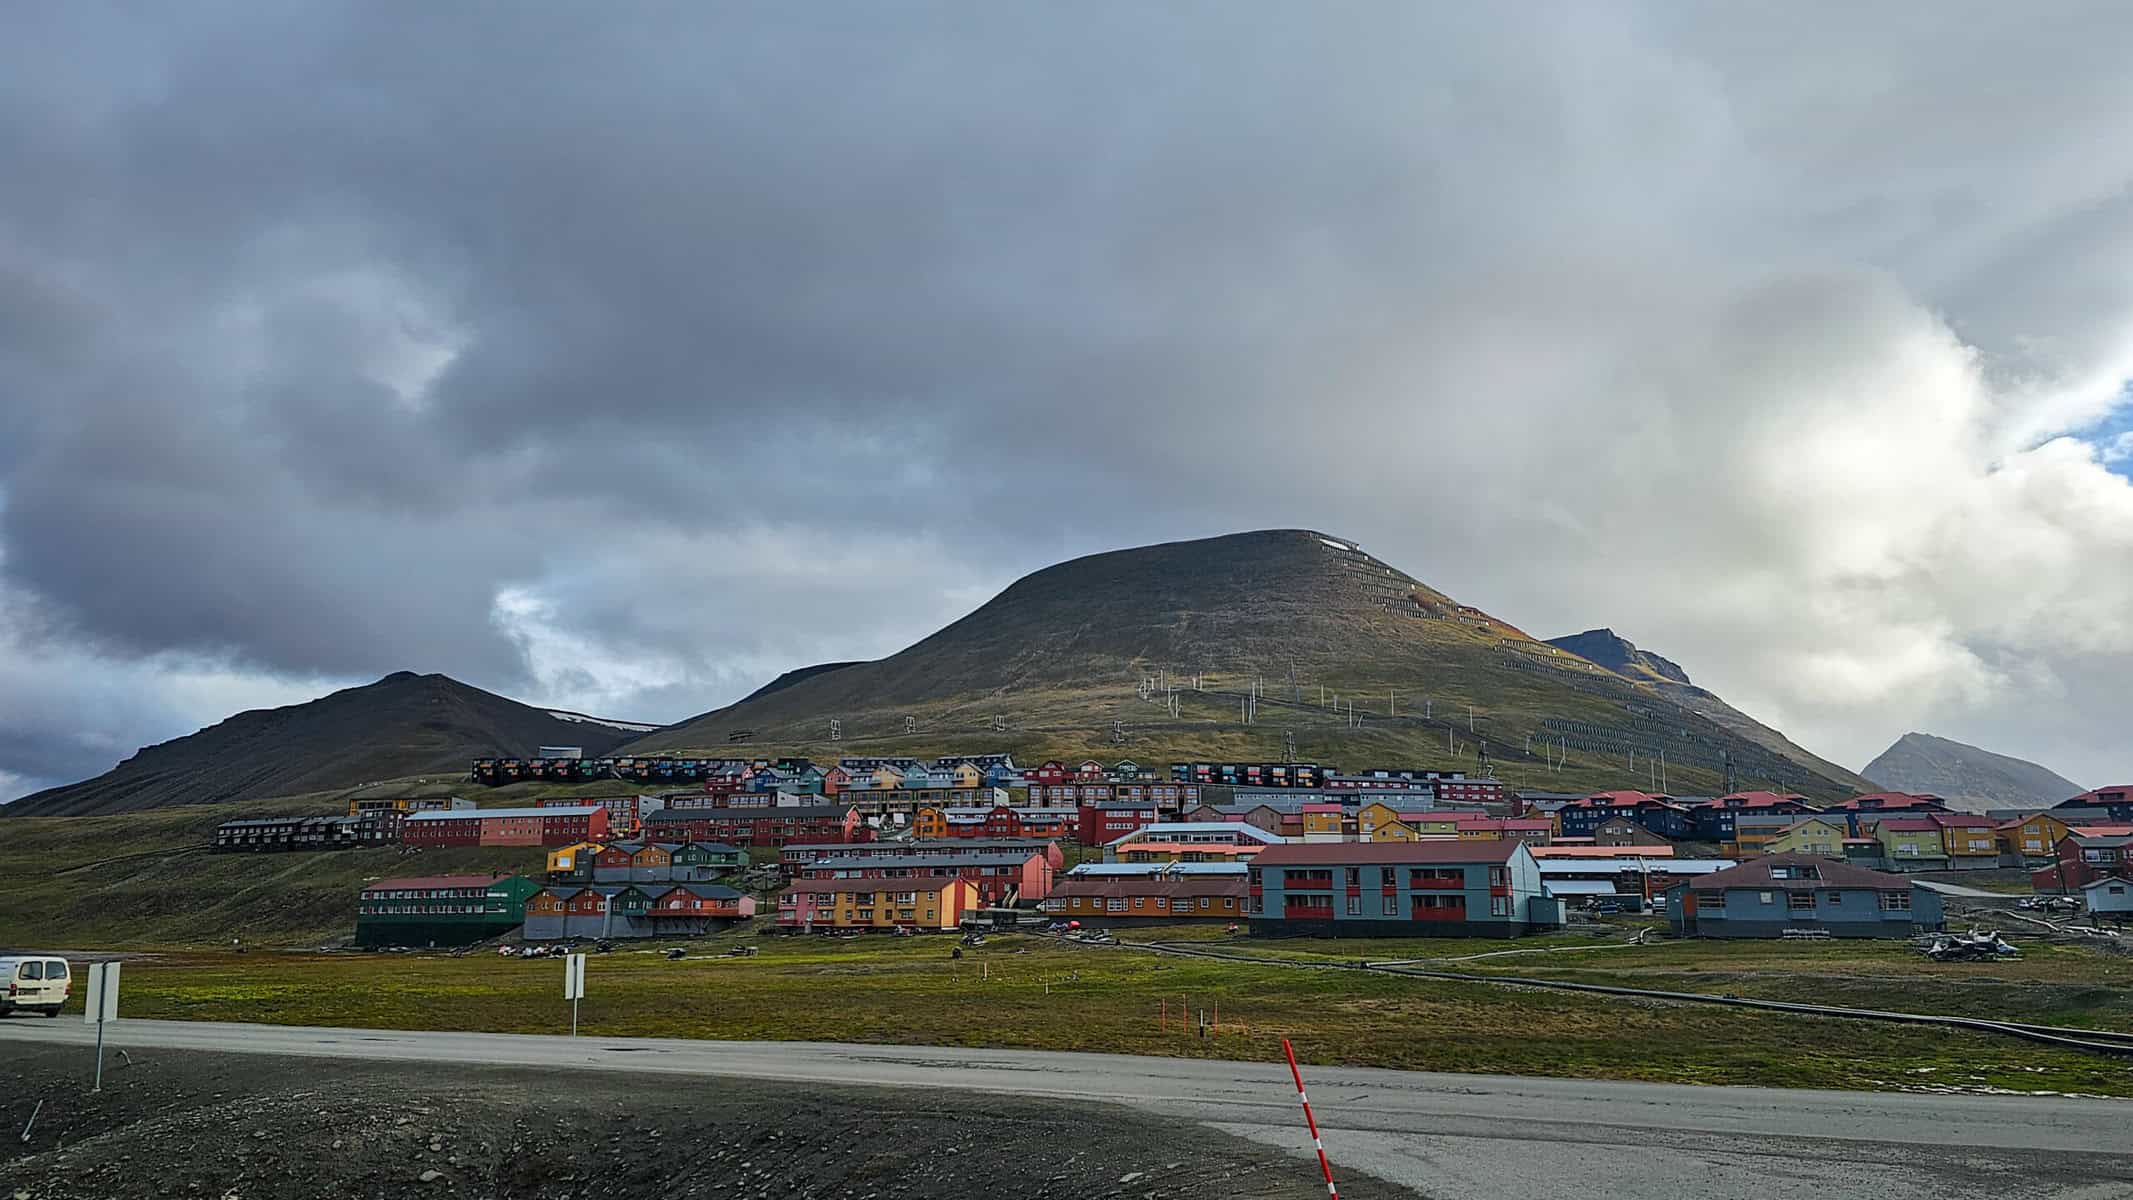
1030 992
2049 985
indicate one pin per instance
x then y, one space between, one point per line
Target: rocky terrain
229 1127
1967 777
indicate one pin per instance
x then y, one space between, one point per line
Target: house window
1115 904
1896 901
1392 906
1799 901
1765 897
1204 902
1355 906
1499 906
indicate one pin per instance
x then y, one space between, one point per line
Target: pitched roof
1886 800
939 862
1191 885
2117 794
805 812
906 883
1754 800
1756 873
707 891
476 814
1312 854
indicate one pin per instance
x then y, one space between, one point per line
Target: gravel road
1443 1135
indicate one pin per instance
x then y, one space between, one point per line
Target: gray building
1766 897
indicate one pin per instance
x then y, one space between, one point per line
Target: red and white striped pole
1310 1120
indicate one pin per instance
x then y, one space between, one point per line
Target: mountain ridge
1087 656
404 724
1623 657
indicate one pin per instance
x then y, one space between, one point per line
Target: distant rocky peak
1619 654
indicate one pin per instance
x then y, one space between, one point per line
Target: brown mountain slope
1966 776
404 724
1625 658
1076 658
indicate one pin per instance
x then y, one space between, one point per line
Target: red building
624 813
505 826
2089 853
759 826
1102 824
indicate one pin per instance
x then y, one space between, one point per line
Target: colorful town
905 846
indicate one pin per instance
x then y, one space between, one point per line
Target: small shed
2110 898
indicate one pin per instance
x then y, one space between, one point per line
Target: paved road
1445 1135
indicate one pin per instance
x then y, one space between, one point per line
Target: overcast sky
622 356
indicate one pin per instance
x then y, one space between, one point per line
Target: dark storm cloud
627 359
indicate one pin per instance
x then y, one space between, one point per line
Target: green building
441 910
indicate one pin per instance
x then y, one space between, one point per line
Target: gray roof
930 861
471 814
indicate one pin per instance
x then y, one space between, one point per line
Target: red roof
2119 794
434 882
1908 824
1312 854
1625 800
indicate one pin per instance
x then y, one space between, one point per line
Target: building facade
441 910
1432 888
1768 896
926 904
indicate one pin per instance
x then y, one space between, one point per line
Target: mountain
794 676
1966 776
1624 658
1088 657
404 724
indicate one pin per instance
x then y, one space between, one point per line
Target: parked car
34 984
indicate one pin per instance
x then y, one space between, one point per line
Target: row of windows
1804 901
382 910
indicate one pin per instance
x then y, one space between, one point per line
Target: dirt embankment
228 1127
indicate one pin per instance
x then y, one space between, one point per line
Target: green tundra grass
1030 992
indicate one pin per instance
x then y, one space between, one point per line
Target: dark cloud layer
624 360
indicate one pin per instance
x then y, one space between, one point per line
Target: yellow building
2033 836
967 776
1371 816
928 823
1323 823
930 902
1810 835
1969 841
578 856
1394 831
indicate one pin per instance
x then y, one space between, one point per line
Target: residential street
1465 1135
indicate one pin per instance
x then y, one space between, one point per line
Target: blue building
1659 814
1712 820
1767 896
1400 889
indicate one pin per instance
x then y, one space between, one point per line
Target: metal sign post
102 1006
574 986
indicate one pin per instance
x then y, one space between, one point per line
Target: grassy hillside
146 879
402 725
1058 664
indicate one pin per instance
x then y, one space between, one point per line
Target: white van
34 984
